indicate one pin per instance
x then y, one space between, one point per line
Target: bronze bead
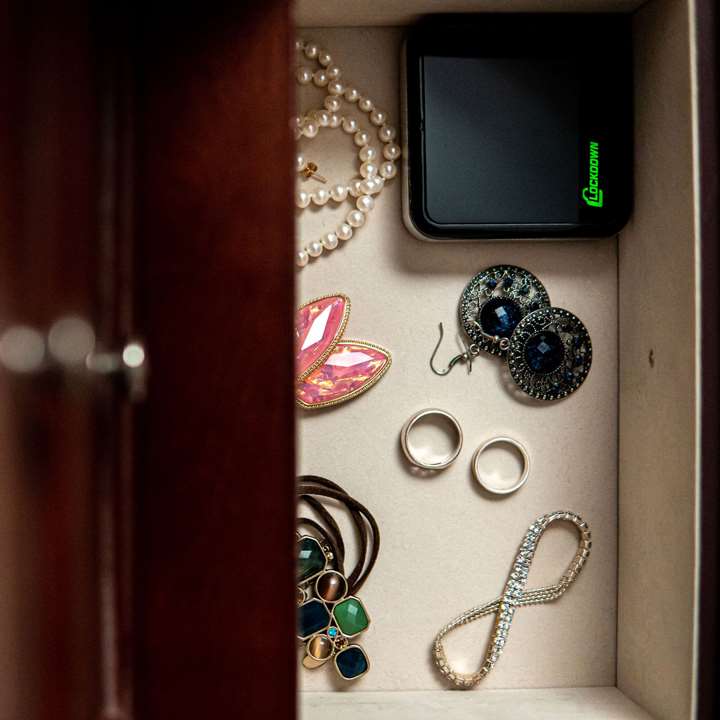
320 647
331 586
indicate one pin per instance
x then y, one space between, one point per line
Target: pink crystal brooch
330 369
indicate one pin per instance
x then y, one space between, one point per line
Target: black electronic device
518 126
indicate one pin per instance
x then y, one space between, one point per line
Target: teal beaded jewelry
330 615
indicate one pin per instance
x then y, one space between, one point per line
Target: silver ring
488 486
407 448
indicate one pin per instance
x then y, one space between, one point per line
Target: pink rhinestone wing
352 368
319 325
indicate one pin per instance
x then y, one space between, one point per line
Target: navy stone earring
505 311
495 301
550 354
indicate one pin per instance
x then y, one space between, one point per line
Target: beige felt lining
446 546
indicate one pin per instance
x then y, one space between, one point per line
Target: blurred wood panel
215 474
48 231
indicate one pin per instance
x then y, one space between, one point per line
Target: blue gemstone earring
495 301
505 311
550 354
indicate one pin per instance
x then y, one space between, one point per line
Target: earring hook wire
467 356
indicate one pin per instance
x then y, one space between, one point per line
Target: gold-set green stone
350 616
311 559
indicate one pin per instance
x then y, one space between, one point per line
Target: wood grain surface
215 472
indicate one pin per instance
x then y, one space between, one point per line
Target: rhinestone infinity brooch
513 597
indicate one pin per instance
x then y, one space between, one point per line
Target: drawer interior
620 451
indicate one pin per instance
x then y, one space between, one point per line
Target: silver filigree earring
505 311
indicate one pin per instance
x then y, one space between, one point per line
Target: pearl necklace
374 170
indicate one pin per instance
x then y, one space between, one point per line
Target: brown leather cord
360 516
320 486
309 488
325 539
355 514
330 531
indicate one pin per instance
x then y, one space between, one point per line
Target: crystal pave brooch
329 619
514 596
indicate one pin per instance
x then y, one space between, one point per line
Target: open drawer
621 451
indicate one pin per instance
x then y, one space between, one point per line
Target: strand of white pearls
374 170
339 192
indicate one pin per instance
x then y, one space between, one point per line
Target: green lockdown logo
592 194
